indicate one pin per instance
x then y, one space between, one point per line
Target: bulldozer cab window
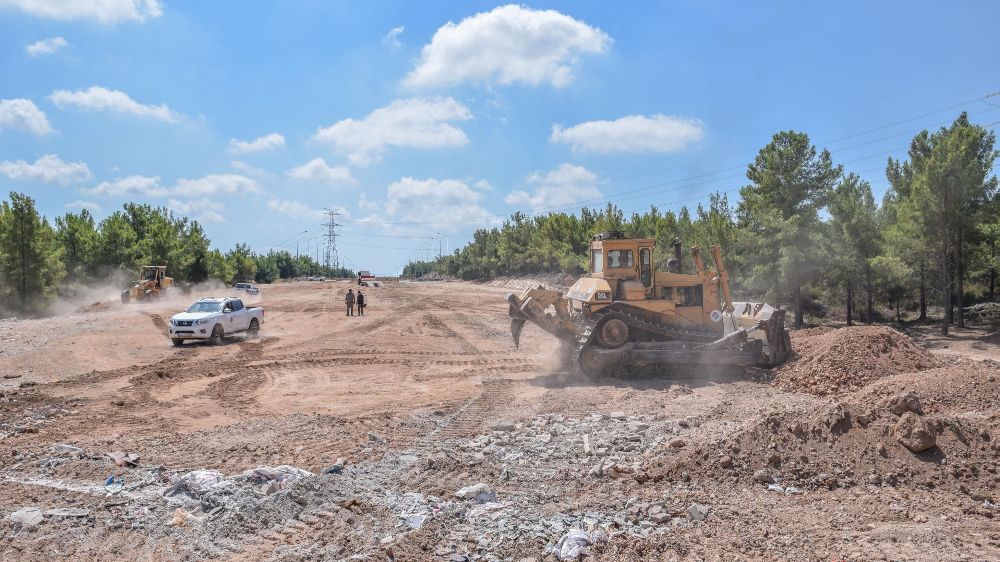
645 267
689 296
149 274
619 259
596 261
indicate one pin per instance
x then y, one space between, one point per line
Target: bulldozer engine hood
590 290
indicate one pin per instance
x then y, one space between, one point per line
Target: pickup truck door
229 318
241 316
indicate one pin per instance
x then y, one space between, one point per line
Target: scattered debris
575 544
67 512
27 517
181 518
480 493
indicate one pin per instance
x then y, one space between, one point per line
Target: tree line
41 261
804 233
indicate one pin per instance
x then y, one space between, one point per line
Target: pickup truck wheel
254 330
177 342
217 335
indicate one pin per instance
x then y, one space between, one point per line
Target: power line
649 190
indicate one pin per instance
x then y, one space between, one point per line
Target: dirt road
425 395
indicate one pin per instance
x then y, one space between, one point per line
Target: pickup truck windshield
205 307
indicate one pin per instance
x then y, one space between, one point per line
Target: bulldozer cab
622 270
153 273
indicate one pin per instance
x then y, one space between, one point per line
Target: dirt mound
99 306
845 359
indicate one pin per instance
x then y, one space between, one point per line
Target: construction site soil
418 433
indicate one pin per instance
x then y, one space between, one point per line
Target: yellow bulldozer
152 283
626 317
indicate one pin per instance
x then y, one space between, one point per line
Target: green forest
41 261
805 233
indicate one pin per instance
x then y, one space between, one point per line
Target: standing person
349 301
361 303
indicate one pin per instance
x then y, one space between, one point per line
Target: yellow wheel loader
152 283
626 317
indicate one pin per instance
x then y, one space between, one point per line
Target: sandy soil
425 395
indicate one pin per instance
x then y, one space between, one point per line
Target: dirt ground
393 413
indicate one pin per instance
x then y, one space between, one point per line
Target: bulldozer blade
516 325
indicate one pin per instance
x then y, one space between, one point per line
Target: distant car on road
215 318
248 288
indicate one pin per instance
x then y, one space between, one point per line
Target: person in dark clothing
361 303
349 301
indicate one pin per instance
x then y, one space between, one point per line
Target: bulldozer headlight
603 295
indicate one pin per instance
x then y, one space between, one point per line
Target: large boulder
914 432
902 403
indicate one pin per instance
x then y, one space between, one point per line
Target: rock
914 433
902 403
121 458
68 449
27 517
336 468
416 521
660 518
763 476
618 470
67 512
480 493
617 415
726 461
677 443
697 512
504 427
586 443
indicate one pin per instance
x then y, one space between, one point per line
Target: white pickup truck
214 318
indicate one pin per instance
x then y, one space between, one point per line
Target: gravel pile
846 359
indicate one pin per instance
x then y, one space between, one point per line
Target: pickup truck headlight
201 321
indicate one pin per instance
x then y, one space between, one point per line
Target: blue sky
254 116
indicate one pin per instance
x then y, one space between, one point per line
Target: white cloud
295 209
564 185
48 169
247 169
216 184
633 133
392 38
506 45
103 11
412 123
97 98
90 206
45 46
260 144
317 170
204 210
130 185
448 204
212 184
24 115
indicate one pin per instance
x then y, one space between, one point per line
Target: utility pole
331 238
